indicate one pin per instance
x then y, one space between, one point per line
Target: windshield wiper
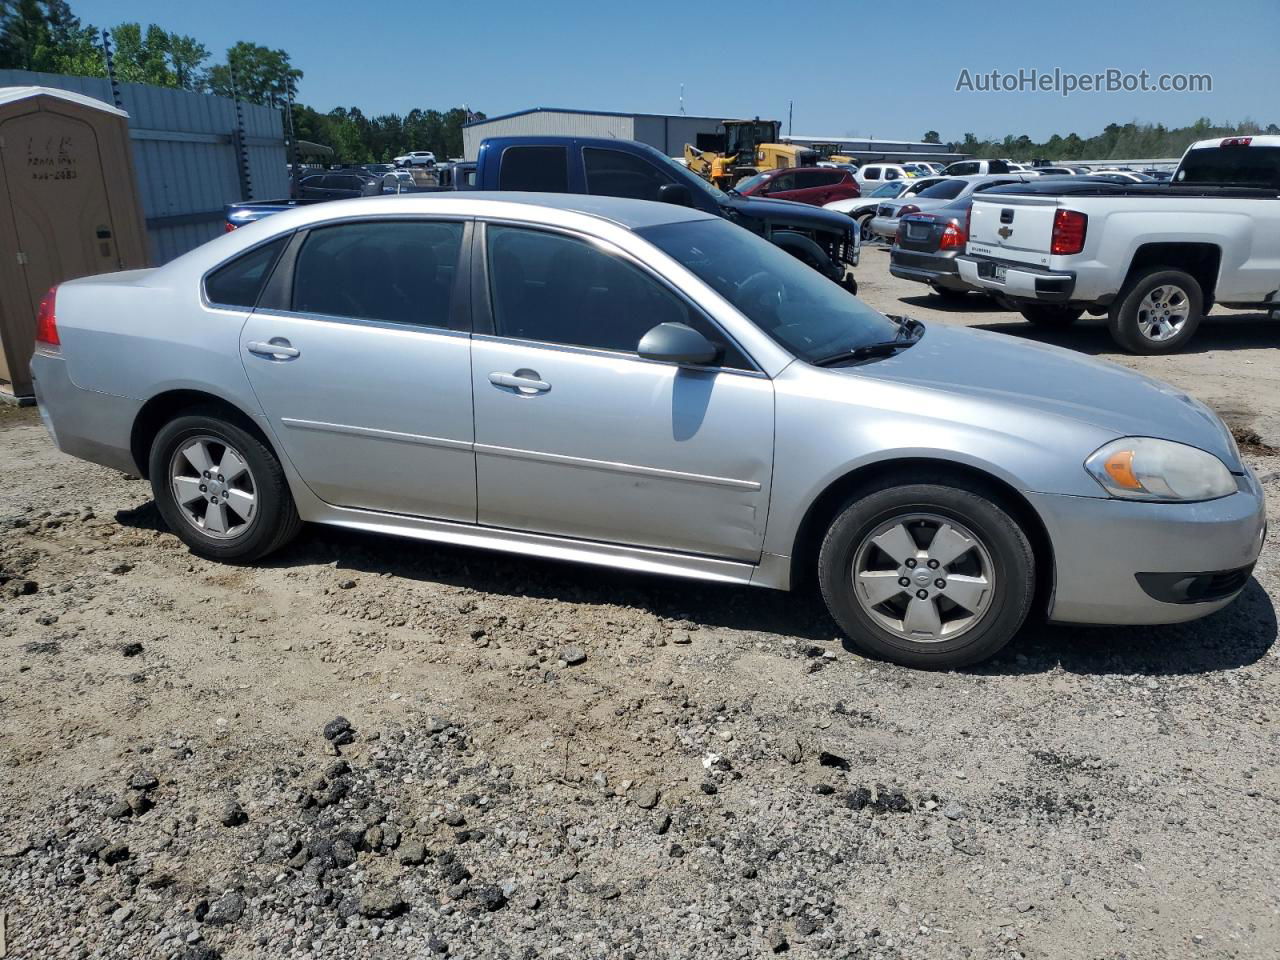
885 348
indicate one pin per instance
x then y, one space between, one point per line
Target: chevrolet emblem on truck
1005 232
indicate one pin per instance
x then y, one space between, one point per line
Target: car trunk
921 234
1013 228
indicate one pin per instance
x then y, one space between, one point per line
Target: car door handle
277 348
525 381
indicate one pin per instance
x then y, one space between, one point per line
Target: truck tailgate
1019 229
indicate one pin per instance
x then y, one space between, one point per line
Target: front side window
801 310
556 289
612 173
871 173
240 282
394 271
535 169
784 181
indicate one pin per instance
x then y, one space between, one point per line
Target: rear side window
557 289
536 169
871 173
394 271
612 173
239 283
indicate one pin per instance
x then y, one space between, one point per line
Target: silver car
643 386
884 225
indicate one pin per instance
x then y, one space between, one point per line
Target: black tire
864 227
1124 316
1011 558
276 519
1049 315
850 283
950 295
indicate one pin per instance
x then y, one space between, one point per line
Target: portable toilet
68 208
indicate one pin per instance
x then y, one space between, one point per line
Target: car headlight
1144 468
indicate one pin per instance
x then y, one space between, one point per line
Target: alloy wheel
213 487
923 577
1163 312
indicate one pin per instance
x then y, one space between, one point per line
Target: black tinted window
612 173
240 282
553 288
397 271
784 181
946 190
1237 165
538 169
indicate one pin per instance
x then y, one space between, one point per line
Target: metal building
667 132
193 154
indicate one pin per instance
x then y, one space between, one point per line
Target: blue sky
871 69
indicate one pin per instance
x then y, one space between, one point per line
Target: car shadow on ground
1232 638
971 303
1235 331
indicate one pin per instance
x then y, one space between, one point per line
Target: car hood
1007 371
789 212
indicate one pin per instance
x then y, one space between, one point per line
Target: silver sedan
642 386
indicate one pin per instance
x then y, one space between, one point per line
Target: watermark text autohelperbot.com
1066 83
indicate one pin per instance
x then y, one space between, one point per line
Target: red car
815 185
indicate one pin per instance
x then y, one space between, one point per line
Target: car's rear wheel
864 227
1049 315
930 574
220 488
1157 311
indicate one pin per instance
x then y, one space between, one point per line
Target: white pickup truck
1153 257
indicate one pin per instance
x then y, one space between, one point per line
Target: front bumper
92 426
1021 281
1101 546
931 268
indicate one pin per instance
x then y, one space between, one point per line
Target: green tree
44 35
931 136
186 58
255 73
142 56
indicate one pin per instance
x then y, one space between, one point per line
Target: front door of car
578 436
359 355
782 187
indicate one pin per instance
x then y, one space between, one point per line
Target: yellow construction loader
748 147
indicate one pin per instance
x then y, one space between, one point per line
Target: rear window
536 169
946 190
1234 166
239 283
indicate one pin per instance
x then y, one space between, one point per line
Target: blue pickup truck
824 239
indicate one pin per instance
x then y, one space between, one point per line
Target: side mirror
678 343
676 193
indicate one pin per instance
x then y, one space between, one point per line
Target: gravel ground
375 748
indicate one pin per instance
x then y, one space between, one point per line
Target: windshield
888 189
688 177
747 184
946 190
1240 166
801 310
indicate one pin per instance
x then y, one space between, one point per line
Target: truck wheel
220 488
930 573
1157 311
1048 315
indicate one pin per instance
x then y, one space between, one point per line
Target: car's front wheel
220 488
930 574
864 227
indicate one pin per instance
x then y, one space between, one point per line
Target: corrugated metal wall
670 134
551 123
184 151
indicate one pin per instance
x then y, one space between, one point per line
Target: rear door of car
359 354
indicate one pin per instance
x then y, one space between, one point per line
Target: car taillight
968 221
908 208
1237 142
46 322
953 236
228 227
1068 232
